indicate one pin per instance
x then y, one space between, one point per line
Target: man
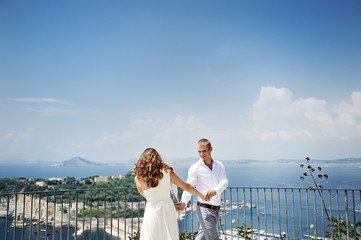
209 177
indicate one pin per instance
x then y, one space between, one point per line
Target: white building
40 184
55 179
101 179
136 205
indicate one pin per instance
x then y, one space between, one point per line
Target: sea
240 174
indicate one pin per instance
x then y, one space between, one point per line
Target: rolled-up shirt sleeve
222 179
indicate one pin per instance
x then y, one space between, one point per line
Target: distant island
76 162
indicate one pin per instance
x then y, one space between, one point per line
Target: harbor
254 234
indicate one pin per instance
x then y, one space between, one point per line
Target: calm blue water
239 175
46 171
63 233
245 175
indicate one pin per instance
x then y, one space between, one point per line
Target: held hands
205 197
179 206
209 195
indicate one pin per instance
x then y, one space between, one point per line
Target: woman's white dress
160 216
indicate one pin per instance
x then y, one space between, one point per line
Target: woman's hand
210 194
204 197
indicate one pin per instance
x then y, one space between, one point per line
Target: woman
153 179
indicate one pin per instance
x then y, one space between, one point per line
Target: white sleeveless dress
160 216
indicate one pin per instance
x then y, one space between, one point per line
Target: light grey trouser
208 220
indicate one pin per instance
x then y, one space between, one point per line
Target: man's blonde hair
204 142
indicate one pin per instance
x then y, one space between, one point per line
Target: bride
153 179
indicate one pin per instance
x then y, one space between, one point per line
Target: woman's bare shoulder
142 184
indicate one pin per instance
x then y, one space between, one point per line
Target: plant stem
321 195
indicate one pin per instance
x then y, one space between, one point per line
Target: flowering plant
340 228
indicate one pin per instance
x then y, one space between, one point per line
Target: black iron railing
246 213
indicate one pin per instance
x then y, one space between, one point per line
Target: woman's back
160 192
160 218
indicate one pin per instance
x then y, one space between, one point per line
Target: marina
255 234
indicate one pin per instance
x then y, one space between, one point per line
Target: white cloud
285 135
154 130
18 138
168 135
37 105
163 129
270 104
278 125
51 111
348 117
276 115
108 139
40 100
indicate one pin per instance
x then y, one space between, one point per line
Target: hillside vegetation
13 185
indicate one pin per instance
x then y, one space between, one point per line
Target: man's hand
179 206
210 194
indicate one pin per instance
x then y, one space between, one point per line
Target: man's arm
223 181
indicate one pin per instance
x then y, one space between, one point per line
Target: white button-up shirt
205 179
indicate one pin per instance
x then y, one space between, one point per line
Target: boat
19 224
261 234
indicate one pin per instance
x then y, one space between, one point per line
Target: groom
209 177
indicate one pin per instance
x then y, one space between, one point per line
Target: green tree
190 236
244 232
136 236
70 180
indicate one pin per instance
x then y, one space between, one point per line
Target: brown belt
208 206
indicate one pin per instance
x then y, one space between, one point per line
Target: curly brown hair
149 167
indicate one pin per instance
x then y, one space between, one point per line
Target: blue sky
105 79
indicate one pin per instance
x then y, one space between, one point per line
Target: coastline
56 219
